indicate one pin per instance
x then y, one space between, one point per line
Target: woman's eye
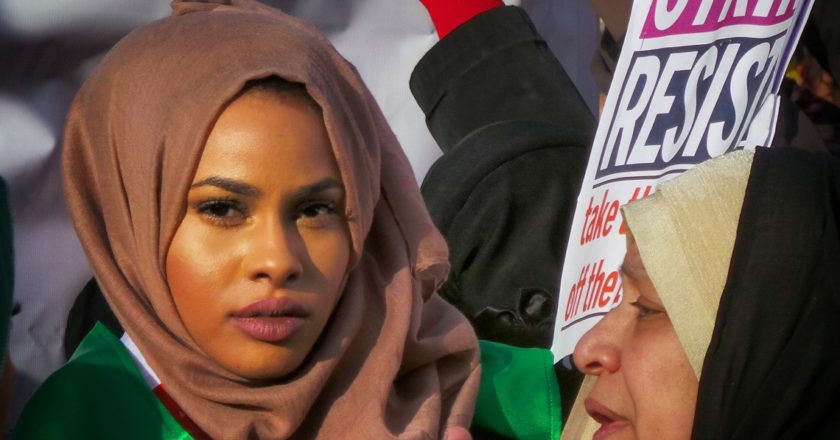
317 214
316 209
643 310
222 212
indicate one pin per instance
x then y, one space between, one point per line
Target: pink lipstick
610 421
271 319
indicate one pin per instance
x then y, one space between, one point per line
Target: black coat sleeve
515 135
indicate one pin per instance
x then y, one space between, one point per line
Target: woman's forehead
633 269
632 265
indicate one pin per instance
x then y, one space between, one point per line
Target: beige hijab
395 360
685 232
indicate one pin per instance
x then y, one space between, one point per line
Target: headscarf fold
395 360
685 232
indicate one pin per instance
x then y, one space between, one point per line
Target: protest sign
695 79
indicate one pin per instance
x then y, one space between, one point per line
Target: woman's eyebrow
633 271
323 185
623 273
226 184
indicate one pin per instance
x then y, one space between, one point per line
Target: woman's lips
270 319
610 421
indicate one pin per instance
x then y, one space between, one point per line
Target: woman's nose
599 349
276 255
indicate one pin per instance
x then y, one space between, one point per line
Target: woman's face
645 387
260 258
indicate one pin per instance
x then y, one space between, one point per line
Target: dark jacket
515 135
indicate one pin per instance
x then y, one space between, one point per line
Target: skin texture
457 433
645 387
264 220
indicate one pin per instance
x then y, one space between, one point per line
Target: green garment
100 394
519 396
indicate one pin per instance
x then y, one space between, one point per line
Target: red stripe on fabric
178 414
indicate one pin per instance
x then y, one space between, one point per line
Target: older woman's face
645 386
259 260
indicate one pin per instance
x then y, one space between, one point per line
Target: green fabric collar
99 393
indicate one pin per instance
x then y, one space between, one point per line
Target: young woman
258 233
729 324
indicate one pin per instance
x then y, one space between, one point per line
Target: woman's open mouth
610 421
271 319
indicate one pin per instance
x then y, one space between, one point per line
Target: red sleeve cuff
449 14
